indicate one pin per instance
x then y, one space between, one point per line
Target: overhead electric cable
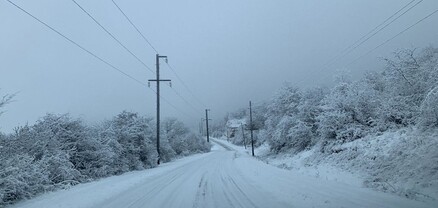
135 27
385 26
76 44
393 37
150 44
378 26
173 106
184 84
94 55
112 36
182 98
373 33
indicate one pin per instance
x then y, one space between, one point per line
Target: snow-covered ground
225 177
403 162
298 163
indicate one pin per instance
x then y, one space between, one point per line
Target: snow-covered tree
131 137
429 109
348 112
409 76
180 140
282 116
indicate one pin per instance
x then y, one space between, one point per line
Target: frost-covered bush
408 77
130 137
69 144
197 143
287 123
180 141
59 151
292 119
21 178
403 161
60 169
281 116
348 112
409 166
429 109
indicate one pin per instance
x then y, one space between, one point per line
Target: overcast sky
227 52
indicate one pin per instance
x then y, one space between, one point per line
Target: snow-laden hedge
59 151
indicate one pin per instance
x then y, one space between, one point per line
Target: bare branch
6 99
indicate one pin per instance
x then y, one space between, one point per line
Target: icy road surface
221 178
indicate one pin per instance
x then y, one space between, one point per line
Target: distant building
233 125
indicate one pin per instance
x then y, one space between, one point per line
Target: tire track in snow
220 179
200 194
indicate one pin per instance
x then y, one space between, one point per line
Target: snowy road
221 178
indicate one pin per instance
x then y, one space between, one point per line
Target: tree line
59 151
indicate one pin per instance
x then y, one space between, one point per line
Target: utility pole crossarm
161 80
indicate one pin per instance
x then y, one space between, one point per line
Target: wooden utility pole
251 127
206 124
158 80
243 136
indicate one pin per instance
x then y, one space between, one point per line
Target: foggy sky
227 52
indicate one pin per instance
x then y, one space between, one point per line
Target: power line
77 44
375 28
109 33
184 84
94 55
150 44
133 25
173 106
373 33
182 98
385 26
393 37
112 36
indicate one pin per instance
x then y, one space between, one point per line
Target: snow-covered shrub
180 141
281 116
167 153
290 120
309 109
429 109
197 143
409 166
217 127
59 169
69 142
279 139
408 77
348 112
106 136
21 178
59 151
131 136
